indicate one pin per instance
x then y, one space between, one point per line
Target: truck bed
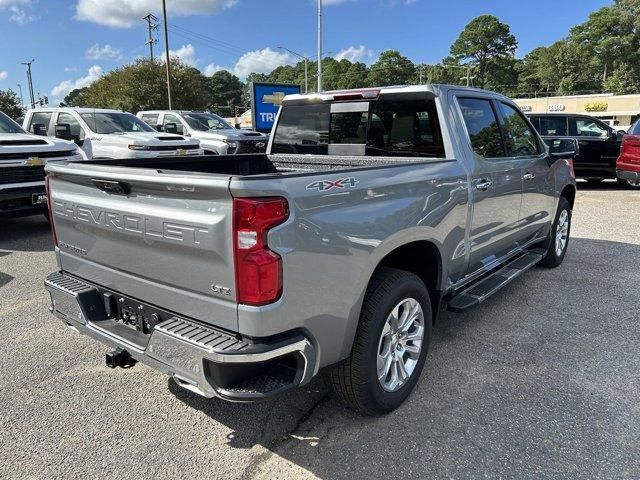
260 164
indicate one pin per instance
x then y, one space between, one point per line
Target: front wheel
559 240
629 184
390 346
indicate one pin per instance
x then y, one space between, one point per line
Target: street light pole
319 46
166 47
306 66
30 82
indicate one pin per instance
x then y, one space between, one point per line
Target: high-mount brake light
357 95
258 268
54 237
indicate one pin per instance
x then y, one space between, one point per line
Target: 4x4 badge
325 185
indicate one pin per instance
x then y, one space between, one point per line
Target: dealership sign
266 99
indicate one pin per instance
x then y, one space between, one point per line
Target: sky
73 42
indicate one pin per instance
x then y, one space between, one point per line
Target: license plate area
38 198
134 315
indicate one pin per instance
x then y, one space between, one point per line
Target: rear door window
42 118
482 125
554 126
151 119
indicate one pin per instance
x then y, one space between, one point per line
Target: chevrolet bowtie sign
266 99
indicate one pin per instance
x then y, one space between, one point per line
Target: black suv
599 143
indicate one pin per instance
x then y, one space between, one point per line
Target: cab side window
77 132
40 118
151 119
520 139
482 124
585 127
169 118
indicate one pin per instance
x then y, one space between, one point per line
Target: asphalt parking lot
540 382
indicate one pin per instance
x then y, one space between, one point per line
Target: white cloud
63 88
257 61
97 52
186 53
355 54
19 10
3 74
126 13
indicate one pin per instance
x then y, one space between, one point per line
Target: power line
152 24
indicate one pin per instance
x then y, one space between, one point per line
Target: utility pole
30 82
152 24
166 47
319 46
306 66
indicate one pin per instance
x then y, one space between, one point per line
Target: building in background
619 111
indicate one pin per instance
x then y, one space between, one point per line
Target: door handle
483 185
528 176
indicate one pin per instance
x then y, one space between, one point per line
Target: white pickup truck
22 160
216 135
104 134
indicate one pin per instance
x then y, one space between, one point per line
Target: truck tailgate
162 238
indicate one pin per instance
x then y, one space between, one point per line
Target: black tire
624 183
355 381
552 258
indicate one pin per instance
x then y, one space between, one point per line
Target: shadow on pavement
540 381
25 234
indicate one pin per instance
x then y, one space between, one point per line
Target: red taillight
258 269
631 146
50 208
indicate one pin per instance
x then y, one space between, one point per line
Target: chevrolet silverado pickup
22 161
371 212
103 133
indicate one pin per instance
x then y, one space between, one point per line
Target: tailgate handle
111 186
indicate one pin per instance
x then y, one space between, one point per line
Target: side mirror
563 147
620 135
171 127
63 131
40 129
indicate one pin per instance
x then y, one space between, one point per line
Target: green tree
224 88
10 104
482 41
74 98
392 69
141 86
623 81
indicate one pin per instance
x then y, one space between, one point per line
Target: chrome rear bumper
206 361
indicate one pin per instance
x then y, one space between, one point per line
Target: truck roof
76 109
434 89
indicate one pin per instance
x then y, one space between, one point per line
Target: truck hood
24 142
230 134
151 139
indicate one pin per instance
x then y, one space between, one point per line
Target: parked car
22 161
628 164
105 133
373 210
216 135
599 143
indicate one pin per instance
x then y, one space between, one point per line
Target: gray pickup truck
371 212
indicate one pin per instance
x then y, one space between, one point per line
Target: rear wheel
629 184
390 347
559 240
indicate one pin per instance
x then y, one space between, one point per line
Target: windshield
203 122
114 122
9 126
384 128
